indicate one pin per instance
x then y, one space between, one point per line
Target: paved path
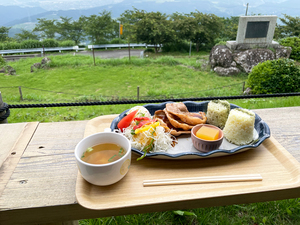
113 53
102 54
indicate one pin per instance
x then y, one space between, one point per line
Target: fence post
129 50
94 56
138 92
2 113
20 91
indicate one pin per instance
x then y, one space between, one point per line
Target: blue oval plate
185 149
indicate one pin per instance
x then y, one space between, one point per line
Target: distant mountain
25 18
289 7
10 13
204 6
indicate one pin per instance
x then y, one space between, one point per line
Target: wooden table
38 171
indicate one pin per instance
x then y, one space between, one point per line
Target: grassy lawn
75 79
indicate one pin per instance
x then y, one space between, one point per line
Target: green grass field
76 79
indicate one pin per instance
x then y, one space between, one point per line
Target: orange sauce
207 133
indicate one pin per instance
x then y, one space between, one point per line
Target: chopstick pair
202 180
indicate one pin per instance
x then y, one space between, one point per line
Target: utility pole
247 9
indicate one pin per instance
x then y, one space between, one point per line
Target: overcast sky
94 3
221 5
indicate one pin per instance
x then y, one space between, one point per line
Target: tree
184 26
290 27
98 28
230 28
47 28
128 19
69 29
153 28
26 35
4 33
208 27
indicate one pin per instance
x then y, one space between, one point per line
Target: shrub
100 42
117 41
31 44
294 43
177 47
221 41
2 61
48 43
149 50
67 43
275 76
11 45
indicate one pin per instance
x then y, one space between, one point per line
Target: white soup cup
103 174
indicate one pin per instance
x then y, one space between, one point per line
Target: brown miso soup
103 153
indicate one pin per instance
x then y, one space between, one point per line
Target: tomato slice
125 121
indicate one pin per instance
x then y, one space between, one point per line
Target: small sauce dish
203 145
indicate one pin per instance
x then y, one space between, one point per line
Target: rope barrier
5 107
126 97
152 101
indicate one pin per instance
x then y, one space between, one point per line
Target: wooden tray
280 172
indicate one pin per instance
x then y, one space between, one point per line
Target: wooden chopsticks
202 180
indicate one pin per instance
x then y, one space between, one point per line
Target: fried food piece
163 119
176 121
180 110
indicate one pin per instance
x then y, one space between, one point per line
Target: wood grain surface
21 134
42 186
8 138
284 124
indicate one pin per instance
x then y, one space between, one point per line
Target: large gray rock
34 67
45 60
225 62
222 71
248 91
9 70
246 60
283 52
45 63
220 55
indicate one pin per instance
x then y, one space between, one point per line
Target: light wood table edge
77 212
9 165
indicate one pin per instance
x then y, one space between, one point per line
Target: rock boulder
227 62
8 70
34 67
247 91
222 71
220 55
283 52
45 61
250 58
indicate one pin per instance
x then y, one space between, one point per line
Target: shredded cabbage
162 140
142 111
